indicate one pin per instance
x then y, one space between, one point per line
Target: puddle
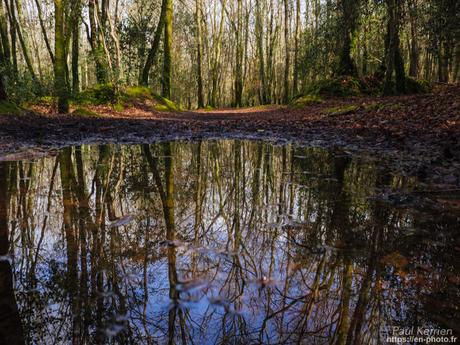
221 242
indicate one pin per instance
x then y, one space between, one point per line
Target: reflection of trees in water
212 242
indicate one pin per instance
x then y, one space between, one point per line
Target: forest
209 53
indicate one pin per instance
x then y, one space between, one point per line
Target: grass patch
85 112
305 100
8 108
344 110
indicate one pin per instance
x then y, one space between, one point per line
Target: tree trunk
155 46
76 13
216 62
12 20
260 50
296 48
167 63
349 9
287 62
239 57
42 27
3 94
96 47
414 48
199 44
60 56
23 40
394 60
6 50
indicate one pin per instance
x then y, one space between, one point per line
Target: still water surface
227 242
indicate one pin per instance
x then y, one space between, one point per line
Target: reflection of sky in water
269 261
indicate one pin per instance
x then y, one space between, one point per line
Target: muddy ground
417 135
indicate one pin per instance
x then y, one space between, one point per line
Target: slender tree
287 52
153 51
60 56
199 45
167 63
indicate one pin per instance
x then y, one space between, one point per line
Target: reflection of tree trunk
167 200
363 299
344 320
68 187
11 332
198 194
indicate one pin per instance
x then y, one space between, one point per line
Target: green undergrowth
165 104
8 108
100 94
208 108
342 110
132 96
82 111
347 86
305 100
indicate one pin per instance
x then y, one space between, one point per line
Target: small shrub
8 108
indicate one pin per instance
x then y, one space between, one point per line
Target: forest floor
417 134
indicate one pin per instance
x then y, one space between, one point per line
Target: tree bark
167 63
394 59
296 48
349 14
60 56
260 50
287 57
155 46
76 13
199 45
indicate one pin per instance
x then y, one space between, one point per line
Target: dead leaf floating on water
122 221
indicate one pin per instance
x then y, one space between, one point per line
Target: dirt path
420 133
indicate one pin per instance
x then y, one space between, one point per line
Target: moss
119 106
165 104
374 106
138 92
85 112
305 100
339 87
344 110
100 94
8 108
161 107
